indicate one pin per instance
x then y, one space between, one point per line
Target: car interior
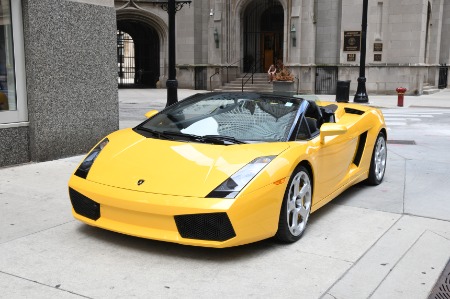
314 117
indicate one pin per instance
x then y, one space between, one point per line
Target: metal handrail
251 76
218 72
210 79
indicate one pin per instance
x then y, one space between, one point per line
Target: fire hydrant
400 93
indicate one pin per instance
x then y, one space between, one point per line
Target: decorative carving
130 4
178 5
164 4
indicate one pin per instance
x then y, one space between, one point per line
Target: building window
13 110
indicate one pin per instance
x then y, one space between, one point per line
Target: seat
312 125
328 113
313 111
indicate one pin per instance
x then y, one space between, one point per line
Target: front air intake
84 206
211 226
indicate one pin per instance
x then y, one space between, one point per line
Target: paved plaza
388 241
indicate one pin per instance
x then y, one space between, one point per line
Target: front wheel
296 206
378 162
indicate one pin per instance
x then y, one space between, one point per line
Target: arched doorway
138 50
262 34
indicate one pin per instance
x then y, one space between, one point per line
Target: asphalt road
388 241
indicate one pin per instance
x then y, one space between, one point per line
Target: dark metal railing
443 76
326 79
250 75
221 68
298 82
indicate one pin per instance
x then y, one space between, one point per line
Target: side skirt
359 178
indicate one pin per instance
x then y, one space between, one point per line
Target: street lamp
216 37
294 36
171 6
361 94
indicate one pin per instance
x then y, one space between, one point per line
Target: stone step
255 81
430 91
260 84
245 90
256 85
248 87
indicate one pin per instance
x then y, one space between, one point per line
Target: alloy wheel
298 203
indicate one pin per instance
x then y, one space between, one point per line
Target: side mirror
331 129
151 113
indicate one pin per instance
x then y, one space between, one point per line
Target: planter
284 87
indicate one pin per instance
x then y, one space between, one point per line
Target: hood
172 167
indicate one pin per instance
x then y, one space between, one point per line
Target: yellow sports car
225 169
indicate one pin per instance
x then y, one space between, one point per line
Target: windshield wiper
224 138
155 133
216 139
184 135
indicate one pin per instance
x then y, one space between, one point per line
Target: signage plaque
378 47
352 41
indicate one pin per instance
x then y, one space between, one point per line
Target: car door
332 163
331 157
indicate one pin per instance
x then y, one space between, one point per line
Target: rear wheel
378 162
296 206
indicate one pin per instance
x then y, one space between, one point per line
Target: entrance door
263 34
272 49
268 46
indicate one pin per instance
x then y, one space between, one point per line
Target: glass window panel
8 100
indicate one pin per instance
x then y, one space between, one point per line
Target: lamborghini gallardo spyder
226 169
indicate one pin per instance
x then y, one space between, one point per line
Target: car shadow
222 255
168 249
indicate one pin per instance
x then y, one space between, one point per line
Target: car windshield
227 118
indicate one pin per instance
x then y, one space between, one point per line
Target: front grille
84 206
211 226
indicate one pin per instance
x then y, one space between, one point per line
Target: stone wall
70 53
14 146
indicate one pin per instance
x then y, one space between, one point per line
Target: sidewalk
389 241
156 98
134 103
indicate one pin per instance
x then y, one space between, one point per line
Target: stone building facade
407 41
61 60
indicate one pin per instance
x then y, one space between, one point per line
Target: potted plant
284 81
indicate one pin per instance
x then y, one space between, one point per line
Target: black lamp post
172 6
361 94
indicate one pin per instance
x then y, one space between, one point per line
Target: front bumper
209 222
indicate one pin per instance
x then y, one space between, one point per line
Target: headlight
233 185
86 165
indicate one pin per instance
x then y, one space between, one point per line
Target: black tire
378 161
296 206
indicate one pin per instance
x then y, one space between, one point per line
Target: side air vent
360 149
353 111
